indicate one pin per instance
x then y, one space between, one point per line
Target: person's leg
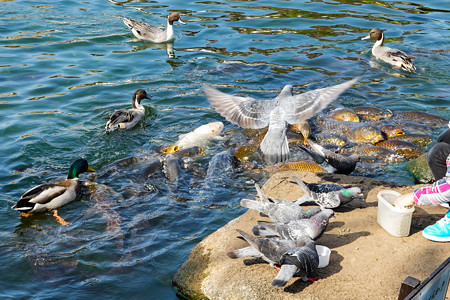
444 137
436 159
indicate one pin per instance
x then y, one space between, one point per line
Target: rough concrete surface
366 262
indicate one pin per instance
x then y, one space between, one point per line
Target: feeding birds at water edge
50 196
128 118
275 113
152 33
291 256
293 230
331 161
394 57
278 210
327 195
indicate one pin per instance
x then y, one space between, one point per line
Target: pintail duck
128 118
152 33
394 57
50 196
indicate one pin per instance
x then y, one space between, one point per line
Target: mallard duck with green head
50 196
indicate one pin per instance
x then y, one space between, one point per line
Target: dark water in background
64 65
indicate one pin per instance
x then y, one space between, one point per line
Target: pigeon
326 195
278 210
293 230
276 113
292 256
330 161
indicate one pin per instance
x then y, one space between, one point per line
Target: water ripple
67 66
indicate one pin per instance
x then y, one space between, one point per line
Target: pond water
66 65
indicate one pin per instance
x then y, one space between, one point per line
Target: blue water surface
65 65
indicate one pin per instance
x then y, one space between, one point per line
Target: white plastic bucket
324 255
395 221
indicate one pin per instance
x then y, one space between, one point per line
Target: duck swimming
128 118
152 33
394 57
50 196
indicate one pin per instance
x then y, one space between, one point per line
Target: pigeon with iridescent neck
293 230
327 195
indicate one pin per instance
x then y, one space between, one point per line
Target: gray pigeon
278 210
292 256
326 195
293 230
330 161
276 113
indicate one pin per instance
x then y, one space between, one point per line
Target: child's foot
439 232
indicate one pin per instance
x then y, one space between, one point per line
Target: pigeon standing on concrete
278 210
276 113
291 256
293 230
330 161
326 195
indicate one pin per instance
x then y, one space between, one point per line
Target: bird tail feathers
244 252
22 208
316 147
303 199
316 156
252 204
110 127
285 274
275 147
302 185
261 195
264 229
250 239
128 23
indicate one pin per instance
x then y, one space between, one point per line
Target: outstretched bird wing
246 112
303 106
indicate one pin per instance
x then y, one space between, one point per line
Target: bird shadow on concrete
355 204
334 224
255 261
338 240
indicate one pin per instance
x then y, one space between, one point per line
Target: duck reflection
168 47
